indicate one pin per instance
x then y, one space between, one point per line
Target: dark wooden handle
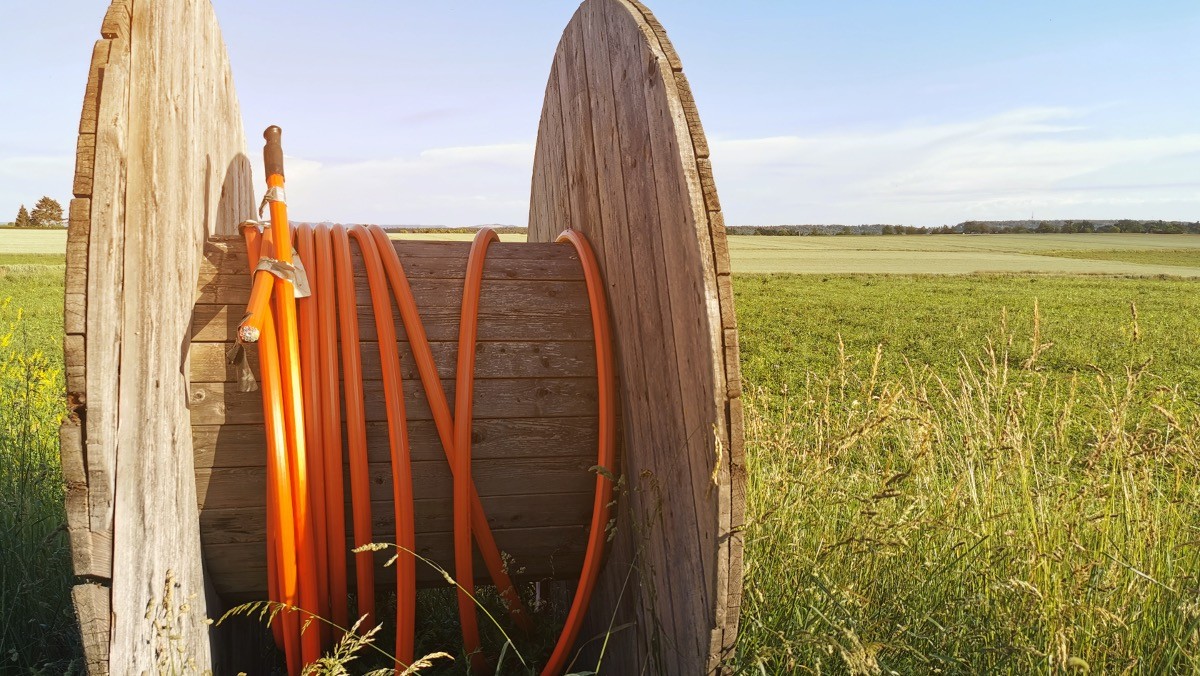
273 151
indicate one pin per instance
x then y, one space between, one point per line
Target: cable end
248 334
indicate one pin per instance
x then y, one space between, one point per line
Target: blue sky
835 112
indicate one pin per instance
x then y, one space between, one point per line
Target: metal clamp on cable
290 272
274 194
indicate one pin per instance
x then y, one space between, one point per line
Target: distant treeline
977 228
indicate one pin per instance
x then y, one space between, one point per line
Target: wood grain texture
159 169
92 607
534 414
622 157
91 542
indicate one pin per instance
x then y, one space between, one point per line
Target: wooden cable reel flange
162 452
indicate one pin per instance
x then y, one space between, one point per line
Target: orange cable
606 454
306 310
331 427
279 505
299 362
436 398
393 397
468 328
356 427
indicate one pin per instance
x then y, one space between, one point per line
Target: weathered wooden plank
106 245
737 522
687 453
667 50
231 525
431 260
551 297
91 93
716 221
725 298
85 160
668 311
223 404
557 203
642 327
92 607
699 140
245 486
554 552
709 187
185 179
91 553
701 191
506 359
218 323
733 356
578 143
74 351
244 445
79 215
116 20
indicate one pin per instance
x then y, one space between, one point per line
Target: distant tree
47 213
23 220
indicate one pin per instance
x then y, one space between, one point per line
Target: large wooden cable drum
534 435
164 454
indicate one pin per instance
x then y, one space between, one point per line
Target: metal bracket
292 272
274 194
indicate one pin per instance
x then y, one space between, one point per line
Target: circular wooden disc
159 168
621 157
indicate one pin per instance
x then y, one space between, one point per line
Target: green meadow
995 469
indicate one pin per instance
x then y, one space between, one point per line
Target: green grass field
1118 254
968 473
975 474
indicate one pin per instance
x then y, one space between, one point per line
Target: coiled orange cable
302 411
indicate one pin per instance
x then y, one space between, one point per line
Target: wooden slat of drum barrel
429 260
243 445
168 174
553 552
218 323
224 404
550 297
229 525
495 359
245 486
677 247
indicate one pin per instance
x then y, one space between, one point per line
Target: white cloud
1044 161
1039 160
443 186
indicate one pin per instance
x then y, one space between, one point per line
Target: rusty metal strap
291 272
275 194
